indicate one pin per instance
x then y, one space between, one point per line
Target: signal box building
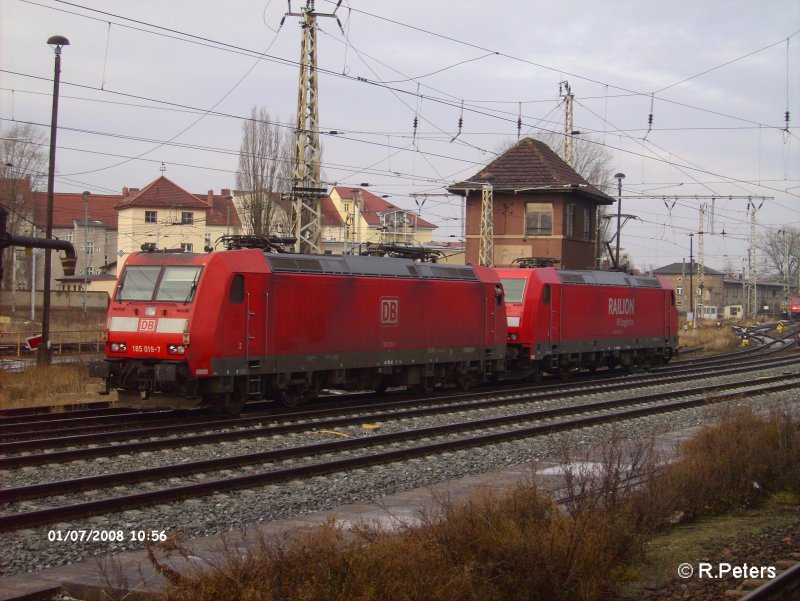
542 208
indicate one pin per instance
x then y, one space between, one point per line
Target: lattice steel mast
306 186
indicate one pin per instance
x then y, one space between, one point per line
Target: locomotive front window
178 284
514 289
138 284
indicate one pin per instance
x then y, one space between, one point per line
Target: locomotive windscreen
147 283
514 289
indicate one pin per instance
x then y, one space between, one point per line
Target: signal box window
538 219
151 216
237 289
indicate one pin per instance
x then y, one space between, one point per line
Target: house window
186 247
90 248
587 223
679 290
538 219
569 226
187 218
151 217
207 241
69 236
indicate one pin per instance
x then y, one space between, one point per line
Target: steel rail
779 587
306 421
612 412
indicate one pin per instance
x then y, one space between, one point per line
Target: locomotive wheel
292 396
536 374
233 403
464 382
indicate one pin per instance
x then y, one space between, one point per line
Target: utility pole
700 261
785 269
750 296
306 185
486 256
569 149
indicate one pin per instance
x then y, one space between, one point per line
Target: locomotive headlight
119 347
513 337
176 349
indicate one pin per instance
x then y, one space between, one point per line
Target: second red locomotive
560 320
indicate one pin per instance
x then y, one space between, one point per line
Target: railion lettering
621 306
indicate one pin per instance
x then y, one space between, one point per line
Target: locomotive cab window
178 284
237 289
514 289
138 284
150 282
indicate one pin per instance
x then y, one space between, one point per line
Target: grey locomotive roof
608 278
367 266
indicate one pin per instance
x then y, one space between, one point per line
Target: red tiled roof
223 212
374 206
330 216
68 208
530 166
163 193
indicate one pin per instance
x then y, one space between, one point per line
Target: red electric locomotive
561 320
794 309
220 328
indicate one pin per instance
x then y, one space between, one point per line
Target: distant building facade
720 296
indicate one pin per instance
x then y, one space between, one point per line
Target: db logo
390 308
147 325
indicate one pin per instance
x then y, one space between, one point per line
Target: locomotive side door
246 320
256 318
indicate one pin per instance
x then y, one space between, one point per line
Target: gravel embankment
28 550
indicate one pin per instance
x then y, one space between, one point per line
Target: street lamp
692 320
619 177
57 42
85 195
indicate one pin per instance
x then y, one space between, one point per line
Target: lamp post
619 177
57 42
691 281
85 247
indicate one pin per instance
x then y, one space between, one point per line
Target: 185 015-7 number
92 536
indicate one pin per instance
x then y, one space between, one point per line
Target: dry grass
710 338
520 544
48 385
56 384
737 463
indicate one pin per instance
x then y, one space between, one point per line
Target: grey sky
717 112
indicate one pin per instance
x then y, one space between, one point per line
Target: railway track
27 437
167 483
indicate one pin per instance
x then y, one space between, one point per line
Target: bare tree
23 168
265 167
773 246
